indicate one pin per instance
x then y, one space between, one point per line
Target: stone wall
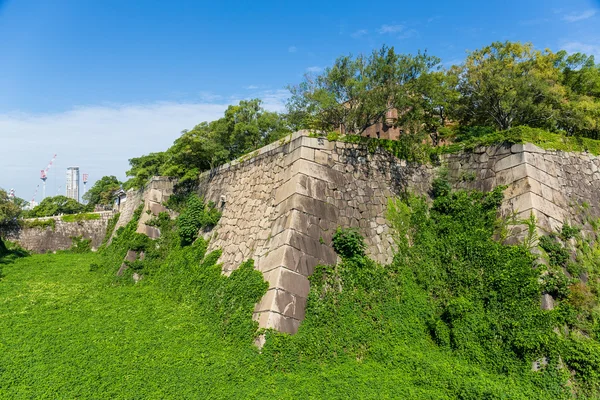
152 198
282 205
41 240
555 186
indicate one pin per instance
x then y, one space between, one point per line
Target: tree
9 213
57 205
245 127
432 105
580 110
102 192
509 84
355 93
143 168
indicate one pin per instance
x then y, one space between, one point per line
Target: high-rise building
73 183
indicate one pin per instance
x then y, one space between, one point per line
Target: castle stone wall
282 205
557 187
41 240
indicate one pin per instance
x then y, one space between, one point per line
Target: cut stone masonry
282 204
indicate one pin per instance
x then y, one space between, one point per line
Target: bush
80 245
348 243
557 254
194 217
80 217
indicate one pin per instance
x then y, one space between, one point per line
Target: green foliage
101 193
57 205
245 127
508 84
9 214
142 169
80 245
38 223
110 227
348 243
557 254
196 216
440 186
568 231
80 217
524 134
358 91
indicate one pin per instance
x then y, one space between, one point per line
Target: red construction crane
33 198
44 176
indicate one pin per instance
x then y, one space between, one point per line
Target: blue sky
99 82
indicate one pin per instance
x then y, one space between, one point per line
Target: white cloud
574 17
359 33
314 69
579 47
274 100
99 139
292 49
252 87
391 29
407 34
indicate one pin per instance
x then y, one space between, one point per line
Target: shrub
80 245
195 216
557 254
80 217
348 243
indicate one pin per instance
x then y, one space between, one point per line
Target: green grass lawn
67 332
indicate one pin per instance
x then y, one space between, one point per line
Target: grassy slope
71 333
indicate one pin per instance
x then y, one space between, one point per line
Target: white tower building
73 183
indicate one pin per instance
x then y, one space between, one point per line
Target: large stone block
282 302
309 206
302 184
290 281
509 162
290 258
315 170
274 320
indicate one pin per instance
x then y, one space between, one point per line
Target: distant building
120 198
73 183
381 128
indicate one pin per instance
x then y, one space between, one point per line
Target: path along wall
59 237
282 204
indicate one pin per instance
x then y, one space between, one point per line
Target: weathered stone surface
547 302
285 201
41 240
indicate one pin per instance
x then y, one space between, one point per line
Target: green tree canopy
509 84
358 91
143 168
102 191
57 205
244 127
9 212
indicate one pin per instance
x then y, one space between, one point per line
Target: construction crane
44 176
32 204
